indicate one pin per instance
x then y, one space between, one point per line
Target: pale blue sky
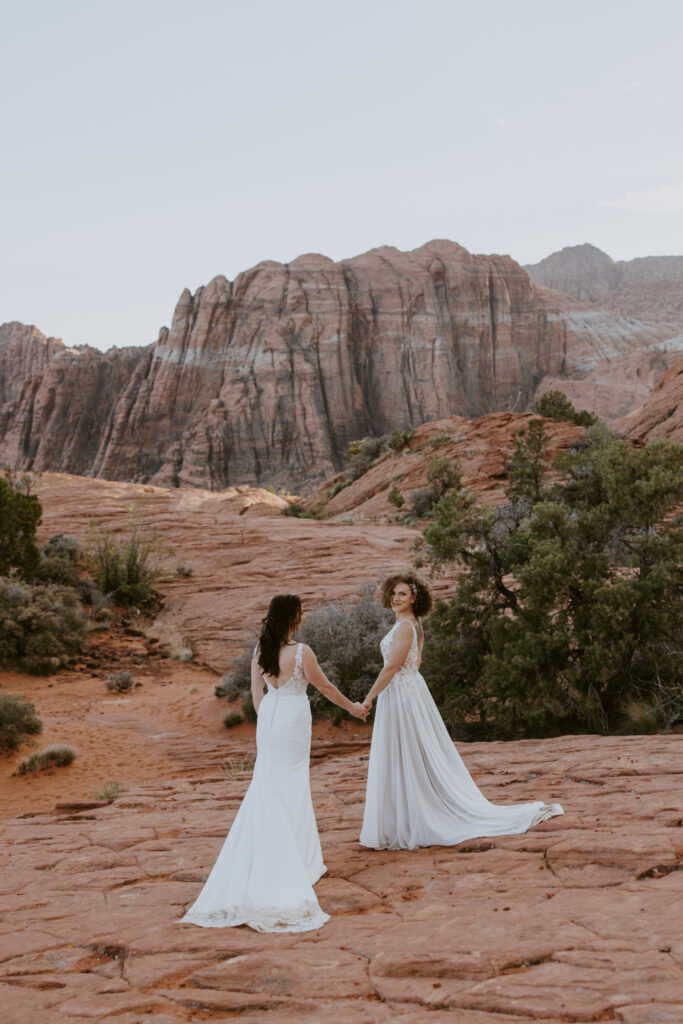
149 145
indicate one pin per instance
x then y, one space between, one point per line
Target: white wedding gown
271 859
419 792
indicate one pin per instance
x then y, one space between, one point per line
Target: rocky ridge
268 378
649 288
662 414
482 449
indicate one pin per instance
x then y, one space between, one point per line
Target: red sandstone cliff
662 414
267 379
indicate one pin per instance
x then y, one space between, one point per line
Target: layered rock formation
662 414
267 379
650 288
24 353
482 449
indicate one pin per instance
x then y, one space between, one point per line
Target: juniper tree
568 609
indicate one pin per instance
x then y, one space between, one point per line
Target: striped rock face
266 380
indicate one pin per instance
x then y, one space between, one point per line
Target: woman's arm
258 685
317 678
398 652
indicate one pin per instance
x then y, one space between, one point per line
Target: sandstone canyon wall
662 414
649 288
268 378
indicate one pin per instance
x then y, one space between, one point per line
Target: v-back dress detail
265 872
419 792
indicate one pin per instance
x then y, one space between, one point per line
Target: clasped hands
362 709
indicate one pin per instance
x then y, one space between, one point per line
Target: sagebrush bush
60 561
232 719
345 637
51 757
360 455
127 568
18 719
119 681
41 627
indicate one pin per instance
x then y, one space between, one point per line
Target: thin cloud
494 116
667 199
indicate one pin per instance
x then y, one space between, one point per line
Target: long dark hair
283 612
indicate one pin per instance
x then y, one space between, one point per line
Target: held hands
360 711
367 703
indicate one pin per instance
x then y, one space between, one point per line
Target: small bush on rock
59 561
41 627
232 719
51 757
127 568
555 405
119 681
18 719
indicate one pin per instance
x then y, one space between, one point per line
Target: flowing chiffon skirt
419 792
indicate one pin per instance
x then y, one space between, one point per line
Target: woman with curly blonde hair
419 792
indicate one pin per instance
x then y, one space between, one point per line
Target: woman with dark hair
271 859
419 792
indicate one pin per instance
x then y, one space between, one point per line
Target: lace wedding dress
271 859
419 792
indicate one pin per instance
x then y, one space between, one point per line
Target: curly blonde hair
423 602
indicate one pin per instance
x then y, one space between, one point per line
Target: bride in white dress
419 792
271 859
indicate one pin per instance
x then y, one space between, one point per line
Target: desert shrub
345 636
400 439
51 757
441 438
299 510
119 681
232 719
395 497
568 611
41 627
126 568
183 571
442 476
554 405
361 454
423 501
59 561
107 791
233 683
248 709
18 719
20 516
339 486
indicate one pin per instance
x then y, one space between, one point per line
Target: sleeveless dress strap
298 660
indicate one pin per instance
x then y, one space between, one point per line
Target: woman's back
289 660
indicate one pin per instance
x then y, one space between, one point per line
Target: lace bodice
297 682
412 662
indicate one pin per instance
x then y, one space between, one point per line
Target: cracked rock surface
577 920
